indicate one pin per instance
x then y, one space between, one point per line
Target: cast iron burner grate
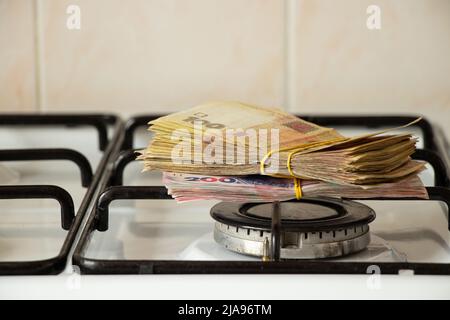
434 153
69 220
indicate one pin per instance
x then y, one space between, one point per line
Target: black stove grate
112 189
69 220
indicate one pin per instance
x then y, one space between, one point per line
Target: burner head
292 211
310 228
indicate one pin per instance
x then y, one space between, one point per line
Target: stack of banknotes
238 152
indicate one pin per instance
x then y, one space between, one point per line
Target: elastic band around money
297 188
294 151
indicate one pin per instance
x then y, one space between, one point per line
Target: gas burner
311 228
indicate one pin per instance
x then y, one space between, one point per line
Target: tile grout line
38 55
290 9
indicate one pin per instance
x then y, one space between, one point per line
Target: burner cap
310 228
306 214
293 211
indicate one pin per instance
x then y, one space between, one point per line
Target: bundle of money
188 187
236 139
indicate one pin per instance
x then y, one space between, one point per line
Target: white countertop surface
66 286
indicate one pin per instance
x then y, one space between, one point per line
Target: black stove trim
441 173
275 235
102 123
98 121
51 154
123 159
43 192
111 189
93 266
133 124
123 193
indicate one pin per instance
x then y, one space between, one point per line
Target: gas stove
308 229
111 219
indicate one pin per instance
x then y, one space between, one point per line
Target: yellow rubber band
294 151
288 164
297 188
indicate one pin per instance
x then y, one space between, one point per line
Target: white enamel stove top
160 229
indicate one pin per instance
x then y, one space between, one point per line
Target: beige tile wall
17 54
164 55
341 66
